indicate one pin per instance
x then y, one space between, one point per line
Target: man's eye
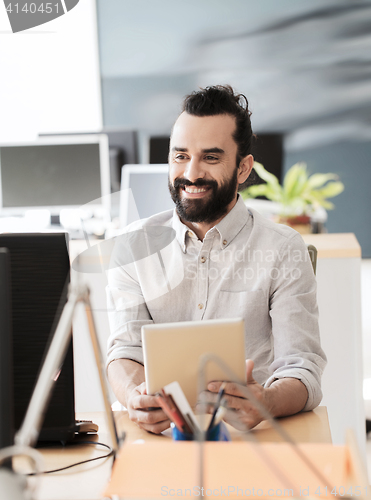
211 158
180 157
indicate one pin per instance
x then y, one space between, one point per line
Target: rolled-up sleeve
294 314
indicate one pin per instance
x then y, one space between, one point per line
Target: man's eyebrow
213 150
182 150
209 150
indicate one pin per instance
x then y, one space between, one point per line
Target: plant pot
301 223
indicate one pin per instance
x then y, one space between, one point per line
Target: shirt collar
180 230
228 227
233 222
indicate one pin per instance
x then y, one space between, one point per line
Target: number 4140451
32 8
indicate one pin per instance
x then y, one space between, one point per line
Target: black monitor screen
50 175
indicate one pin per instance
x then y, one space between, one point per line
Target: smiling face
203 175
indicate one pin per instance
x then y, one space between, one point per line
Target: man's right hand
144 411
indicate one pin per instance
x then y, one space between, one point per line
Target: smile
193 189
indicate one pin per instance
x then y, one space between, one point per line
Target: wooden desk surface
87 481
310 427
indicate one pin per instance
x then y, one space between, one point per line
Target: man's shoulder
271 230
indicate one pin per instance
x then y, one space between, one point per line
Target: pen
222 410
217 405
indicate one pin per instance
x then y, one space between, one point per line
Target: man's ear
244 168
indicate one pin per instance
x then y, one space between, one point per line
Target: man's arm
127 313
284 397
294 314
127 381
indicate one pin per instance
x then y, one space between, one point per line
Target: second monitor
144 192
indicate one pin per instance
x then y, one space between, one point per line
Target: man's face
203 175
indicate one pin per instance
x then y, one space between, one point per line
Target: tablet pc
172 351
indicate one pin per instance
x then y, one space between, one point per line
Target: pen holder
217 433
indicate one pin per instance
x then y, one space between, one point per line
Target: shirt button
200 306
225 242
203 259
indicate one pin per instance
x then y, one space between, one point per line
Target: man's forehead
209 130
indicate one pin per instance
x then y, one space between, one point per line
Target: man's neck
201 228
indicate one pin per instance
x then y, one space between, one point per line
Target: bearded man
226 261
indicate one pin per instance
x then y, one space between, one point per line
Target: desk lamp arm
30 428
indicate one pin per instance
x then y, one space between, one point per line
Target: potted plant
299 196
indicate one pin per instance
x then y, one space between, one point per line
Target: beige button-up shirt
246 266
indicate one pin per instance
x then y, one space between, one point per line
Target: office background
303 64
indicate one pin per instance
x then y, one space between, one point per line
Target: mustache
180 182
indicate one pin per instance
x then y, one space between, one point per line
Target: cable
17 450
111 452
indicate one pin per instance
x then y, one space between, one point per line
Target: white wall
50 80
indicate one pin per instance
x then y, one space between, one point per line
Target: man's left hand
241 413
286 396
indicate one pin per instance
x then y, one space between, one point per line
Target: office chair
312 250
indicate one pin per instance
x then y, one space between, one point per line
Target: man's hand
284 397
141 410
127 381
241 413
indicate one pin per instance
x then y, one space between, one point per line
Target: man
232 263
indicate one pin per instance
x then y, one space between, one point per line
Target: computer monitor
123 150
54 173
6 353
39 273
144 192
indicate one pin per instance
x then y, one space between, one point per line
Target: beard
208 210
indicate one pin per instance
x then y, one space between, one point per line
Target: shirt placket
203 267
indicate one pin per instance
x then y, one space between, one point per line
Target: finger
202 408
234 389
142 388
156 428
206 402
229 387
207 397
232 418
214 386
148 417
237 403
143 402
249 369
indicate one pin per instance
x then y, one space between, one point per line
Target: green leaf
295 180
299 192
331 189
265 175
327 205
318 180
266 190
254 191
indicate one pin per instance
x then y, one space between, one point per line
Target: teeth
191 189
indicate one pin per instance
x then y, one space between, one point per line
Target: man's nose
194 170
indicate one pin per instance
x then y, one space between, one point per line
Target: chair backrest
313 256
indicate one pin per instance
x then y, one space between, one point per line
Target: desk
86 482
339 303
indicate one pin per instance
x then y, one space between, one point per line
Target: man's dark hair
220 100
